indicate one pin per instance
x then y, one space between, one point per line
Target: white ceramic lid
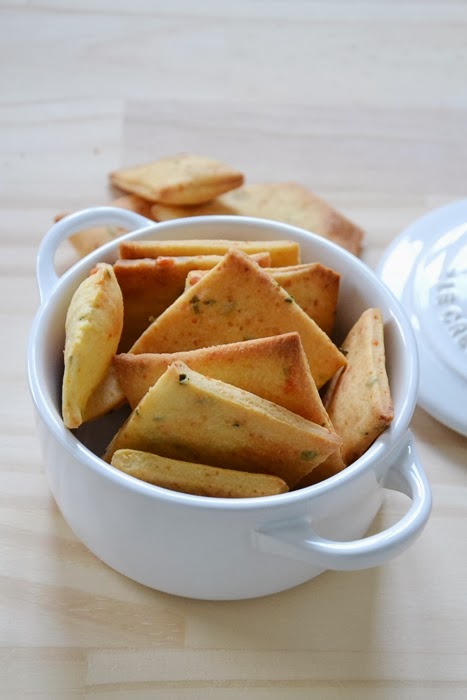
426 268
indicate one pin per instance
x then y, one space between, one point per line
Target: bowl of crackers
223 401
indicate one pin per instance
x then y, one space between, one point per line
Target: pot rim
389 441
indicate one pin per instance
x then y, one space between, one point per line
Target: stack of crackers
192 185
223 352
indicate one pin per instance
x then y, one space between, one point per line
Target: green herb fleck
229 307
182 378
194 301
308 455
235 425
289 299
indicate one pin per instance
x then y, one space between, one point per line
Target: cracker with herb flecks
149 286
281 252
196 479
358 399
182 179
314 287
92 331
237 300
194 418
287 202
273 368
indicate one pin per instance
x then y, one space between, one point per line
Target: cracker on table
88 240
181 179
288 202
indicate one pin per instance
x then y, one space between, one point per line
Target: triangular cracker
273 368
190 417
358 399
149 286
314 287
237 300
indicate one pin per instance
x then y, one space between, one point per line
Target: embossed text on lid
426 269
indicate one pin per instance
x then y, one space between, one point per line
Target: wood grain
366 104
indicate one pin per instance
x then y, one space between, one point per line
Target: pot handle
297 539
47 278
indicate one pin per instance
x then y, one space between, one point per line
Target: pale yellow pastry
358 400
190 417
92 332
196 479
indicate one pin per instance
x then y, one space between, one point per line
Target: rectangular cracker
287 202
181 179
190 417
358 399
281 252
149 286
235 301
196 479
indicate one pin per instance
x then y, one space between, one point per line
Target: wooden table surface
365 103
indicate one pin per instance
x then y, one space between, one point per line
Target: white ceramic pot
219 548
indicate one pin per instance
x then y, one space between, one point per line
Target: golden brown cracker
196 479
273 368
282 252
149 286
287 202
358 399
194 418
235 301
182 179
314 287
